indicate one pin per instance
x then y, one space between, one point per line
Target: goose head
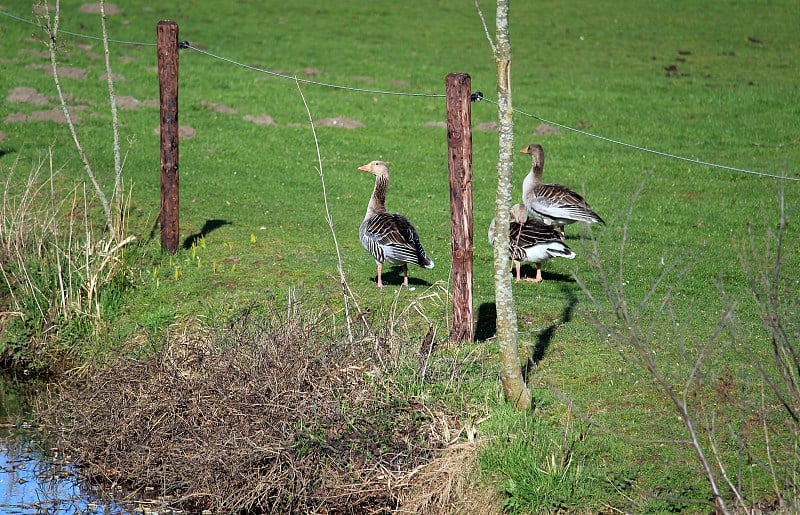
537 154
519 213
376 168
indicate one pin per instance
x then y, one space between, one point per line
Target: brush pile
269 415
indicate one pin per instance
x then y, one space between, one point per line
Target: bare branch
116 195
51 26
485 27
346 293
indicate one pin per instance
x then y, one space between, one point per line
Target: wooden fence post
459 162
168 88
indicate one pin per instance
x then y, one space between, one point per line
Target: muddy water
32 478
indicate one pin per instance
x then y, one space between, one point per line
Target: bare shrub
763 258
271 414
715 403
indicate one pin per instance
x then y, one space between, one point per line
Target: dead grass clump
269 415
448 485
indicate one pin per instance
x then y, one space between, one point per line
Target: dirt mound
270 415
110 9
27 95
52 115
339 121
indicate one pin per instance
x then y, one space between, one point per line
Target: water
33 481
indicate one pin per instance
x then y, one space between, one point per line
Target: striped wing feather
535 241
559 203
390 237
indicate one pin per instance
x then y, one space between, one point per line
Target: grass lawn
708 80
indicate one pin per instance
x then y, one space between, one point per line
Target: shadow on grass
394 277
486 325
544 338
530 271
486 322
209 226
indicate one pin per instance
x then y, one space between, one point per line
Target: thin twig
485 28
116 196
52 30
329 219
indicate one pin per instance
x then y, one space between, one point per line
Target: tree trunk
514 387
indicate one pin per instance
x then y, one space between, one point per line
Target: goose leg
518 266
380 282
405 274
538 277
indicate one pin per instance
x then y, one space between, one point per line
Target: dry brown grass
448 485
269 415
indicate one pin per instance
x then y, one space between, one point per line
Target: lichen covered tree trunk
514 387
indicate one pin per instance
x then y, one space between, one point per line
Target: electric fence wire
644 149
76 34
476 97
185 44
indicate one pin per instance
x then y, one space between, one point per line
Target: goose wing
536 241
558 202
391 237
532 232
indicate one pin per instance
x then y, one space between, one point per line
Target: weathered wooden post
168 87
459 162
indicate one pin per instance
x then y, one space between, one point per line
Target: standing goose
531 240
389 237
554 204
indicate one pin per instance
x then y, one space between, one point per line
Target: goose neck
377 204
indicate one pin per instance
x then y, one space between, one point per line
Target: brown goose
531 240
554 204
389 237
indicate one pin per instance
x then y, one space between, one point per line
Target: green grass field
709 80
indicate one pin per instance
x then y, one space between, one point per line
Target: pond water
32 479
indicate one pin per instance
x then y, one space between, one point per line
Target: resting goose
389 237
554 204
531 240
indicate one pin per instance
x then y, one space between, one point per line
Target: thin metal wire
427 95
76 34
645 149
306 81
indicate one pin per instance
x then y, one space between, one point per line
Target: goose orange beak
525 151
364 168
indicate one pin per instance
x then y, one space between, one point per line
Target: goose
531 240
553 204
389 237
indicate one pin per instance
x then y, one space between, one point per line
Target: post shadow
209 226
486 321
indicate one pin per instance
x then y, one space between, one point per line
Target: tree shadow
394 277
209 226
544 338
486 324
